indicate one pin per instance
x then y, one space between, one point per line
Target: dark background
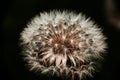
16 14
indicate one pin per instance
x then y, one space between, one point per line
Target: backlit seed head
63 43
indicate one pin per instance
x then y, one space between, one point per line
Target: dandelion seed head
63 43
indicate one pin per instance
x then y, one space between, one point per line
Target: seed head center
62 46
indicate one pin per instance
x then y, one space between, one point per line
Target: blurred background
16 14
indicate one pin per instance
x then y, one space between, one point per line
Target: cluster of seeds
63 43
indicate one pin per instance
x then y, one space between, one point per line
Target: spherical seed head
63 43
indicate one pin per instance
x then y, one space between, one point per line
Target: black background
16 14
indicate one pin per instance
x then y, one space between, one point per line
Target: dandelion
63 43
